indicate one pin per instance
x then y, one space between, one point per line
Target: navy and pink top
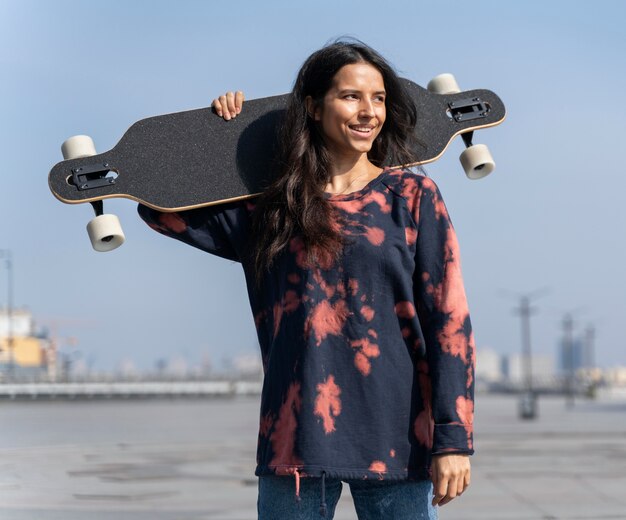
369 361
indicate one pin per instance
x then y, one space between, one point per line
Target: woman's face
353 110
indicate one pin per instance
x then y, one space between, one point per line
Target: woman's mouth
362 130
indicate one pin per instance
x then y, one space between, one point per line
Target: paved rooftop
194 460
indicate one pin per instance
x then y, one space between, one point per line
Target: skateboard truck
105 230
476 158
93 176
98 207
468 109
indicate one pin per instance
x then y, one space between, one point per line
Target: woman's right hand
228 105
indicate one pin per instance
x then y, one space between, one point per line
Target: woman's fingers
217 106
239 100
450 476
463 483
451 491
220 105
440 488
445 490
235 102
229 104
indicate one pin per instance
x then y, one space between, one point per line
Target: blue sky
551 215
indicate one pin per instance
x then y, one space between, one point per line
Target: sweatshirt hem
316 471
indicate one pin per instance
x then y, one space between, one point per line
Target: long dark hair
294 204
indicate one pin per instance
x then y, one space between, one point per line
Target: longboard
191 159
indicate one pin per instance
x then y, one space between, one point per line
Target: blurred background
541 238
546 224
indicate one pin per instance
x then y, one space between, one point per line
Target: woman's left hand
450 476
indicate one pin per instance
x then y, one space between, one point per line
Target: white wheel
77 147
443 84
105 233
477 161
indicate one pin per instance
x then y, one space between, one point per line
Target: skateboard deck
190 159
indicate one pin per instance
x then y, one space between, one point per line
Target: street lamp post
525 310
528 399
528 404
6 254
568 344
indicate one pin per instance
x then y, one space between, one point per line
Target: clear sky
551 215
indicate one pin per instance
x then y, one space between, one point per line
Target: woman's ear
312 110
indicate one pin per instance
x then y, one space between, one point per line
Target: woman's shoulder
407 183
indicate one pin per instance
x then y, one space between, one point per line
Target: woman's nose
366 108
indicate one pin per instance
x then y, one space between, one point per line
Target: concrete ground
194 460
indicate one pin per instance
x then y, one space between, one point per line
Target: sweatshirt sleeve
221 230
444 317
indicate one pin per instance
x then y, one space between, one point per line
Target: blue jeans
373 500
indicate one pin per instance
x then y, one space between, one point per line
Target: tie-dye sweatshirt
369 362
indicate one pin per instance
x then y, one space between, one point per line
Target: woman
354 282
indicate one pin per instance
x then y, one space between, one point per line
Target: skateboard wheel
105 233
77 147
443 84
477 161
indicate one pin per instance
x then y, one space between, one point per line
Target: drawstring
323 502
297 475
323 508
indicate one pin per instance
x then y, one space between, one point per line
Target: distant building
176 367
126 369
21 323
23 353
248 365
575 357
488 365
615 376
542 368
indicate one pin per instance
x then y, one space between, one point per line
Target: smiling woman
338 87
354 281
350 118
